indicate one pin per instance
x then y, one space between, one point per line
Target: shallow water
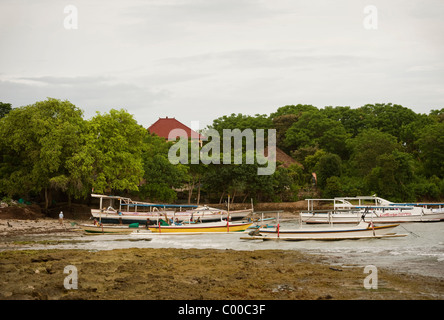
420 252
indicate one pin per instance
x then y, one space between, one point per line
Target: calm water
421 251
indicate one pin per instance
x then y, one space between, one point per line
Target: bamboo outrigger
362 230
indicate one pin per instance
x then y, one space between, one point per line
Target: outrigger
362 230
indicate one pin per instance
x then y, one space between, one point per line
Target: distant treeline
384 149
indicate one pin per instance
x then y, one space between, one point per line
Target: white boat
372 208
116 209
362 230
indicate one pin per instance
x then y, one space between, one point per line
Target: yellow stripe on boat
201 228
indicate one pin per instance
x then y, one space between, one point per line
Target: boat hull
363 229
319 218
91 228
348 237
201 228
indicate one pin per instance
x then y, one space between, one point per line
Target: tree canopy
48 147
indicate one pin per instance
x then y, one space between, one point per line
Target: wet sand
183 274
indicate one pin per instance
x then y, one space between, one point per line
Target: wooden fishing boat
116 229
376 209
284 238
360 231
116 209
203 227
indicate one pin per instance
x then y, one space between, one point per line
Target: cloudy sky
197 60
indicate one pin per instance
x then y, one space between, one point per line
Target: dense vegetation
48 148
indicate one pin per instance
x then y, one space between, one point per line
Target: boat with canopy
379 210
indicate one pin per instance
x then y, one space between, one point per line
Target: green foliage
5 108
241 122
161 176
391 176
333 188
37 142
313 128
297 110
110 156
329 165
367 146
59 150
431 146
385 149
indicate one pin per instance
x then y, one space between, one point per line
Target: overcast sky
197 60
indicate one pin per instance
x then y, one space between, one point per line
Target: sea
421 251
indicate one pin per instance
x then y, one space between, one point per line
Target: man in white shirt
61 217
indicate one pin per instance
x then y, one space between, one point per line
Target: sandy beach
182 274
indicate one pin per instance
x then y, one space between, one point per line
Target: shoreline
184 274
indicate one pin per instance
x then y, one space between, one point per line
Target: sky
197 60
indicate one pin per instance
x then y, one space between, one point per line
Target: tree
241 122
111 158
297 110
437 115
160 175
282 123
333 187
366 147
38 141
410 133
431 146
5 108
391 176
314 128
329 165
353 120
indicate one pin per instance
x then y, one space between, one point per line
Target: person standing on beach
61 217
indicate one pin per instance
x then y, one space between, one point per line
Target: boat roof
419 204
383 207
389 203
132 203
160 205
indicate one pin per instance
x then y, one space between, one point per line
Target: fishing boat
116 209
115 229
202 227
376 209
362 230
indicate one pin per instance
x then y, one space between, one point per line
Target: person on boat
177 223
147 223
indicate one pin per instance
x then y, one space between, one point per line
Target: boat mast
101 208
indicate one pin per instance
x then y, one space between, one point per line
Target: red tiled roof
163 126
282 157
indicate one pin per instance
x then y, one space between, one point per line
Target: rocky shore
179 274
182 274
